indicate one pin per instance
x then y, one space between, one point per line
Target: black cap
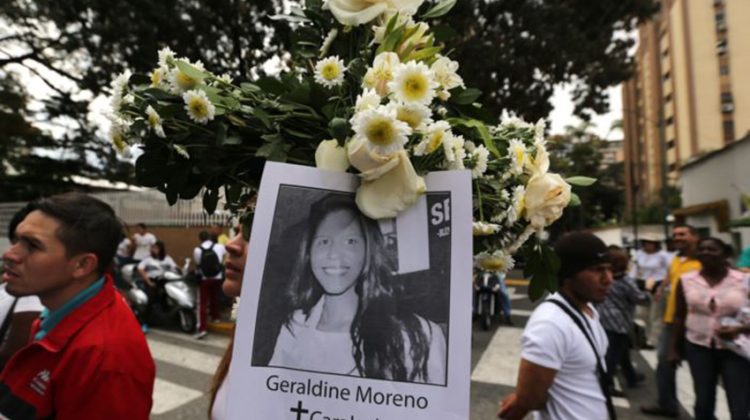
578 251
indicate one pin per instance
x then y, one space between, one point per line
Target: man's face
36 263
593 283
683 239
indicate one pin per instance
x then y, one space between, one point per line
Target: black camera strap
601 372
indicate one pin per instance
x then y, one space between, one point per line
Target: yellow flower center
410 117
415 87
198 107
330 71
380 132
435 141
118 141
184 81
156 77
153 120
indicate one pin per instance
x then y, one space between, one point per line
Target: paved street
185 366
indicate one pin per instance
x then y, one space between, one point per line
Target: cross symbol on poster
299 410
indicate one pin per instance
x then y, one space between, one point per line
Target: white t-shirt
303 346
123 248
156 268
24 304
651 266
552 340
143 245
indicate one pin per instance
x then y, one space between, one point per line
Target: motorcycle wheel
187 320
486 317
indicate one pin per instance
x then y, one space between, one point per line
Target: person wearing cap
650 269
561 373
685 239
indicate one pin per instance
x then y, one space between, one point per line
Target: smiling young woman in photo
344 315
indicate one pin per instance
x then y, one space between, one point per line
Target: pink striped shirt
703 317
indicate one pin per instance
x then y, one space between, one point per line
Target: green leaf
391 40
340 129
210 200
221 135
263 116
465 96
424 53
581 181
159 94
149 169
484 132
250 88
575 200
271 85
275 149
439 9
190 70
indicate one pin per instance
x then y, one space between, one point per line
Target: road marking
499 362
685 392
516 282
182 356
168 396
213 340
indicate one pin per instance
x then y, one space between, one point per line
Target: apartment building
690 93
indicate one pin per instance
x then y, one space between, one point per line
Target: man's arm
531 393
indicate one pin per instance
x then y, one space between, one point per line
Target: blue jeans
706 365
504 298
666 372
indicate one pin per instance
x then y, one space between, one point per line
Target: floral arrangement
367 90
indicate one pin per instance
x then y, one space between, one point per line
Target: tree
530 47
579 152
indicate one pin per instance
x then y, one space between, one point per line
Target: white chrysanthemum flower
328 41
117 133
119 90
180 82
436 135
540 163
495 261
518 156
154 121
225 78
479 158
484 228
368 99
329 71
413 82
457 152
418 116
516 207
445 71
166 57
181 151
381 73
384 133
198 106
442 111
510 122
539 128
469 146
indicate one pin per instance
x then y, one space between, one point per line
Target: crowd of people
696 301
72 348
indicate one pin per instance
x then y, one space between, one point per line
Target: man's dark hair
203 236
691 228
142 226
86 225
16 220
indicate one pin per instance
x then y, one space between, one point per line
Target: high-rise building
690 93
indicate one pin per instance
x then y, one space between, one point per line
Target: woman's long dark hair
381 332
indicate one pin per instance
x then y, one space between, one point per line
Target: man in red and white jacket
87 357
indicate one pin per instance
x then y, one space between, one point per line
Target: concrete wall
719 177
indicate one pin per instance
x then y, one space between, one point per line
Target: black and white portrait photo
344 316
333 301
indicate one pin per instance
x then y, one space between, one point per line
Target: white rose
358 12
547 194
330 156
392 191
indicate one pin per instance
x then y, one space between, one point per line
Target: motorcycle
486 289
171 301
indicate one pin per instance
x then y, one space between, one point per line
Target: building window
669 121
724 70
668 98
670 144
728 130
721 47
726 97
665 53
672 167
666 76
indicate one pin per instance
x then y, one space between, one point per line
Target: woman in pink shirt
703 298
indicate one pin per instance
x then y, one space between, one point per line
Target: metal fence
147 206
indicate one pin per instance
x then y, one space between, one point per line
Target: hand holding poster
347 317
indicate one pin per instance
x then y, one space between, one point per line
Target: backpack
210 265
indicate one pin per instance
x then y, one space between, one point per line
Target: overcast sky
562 113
